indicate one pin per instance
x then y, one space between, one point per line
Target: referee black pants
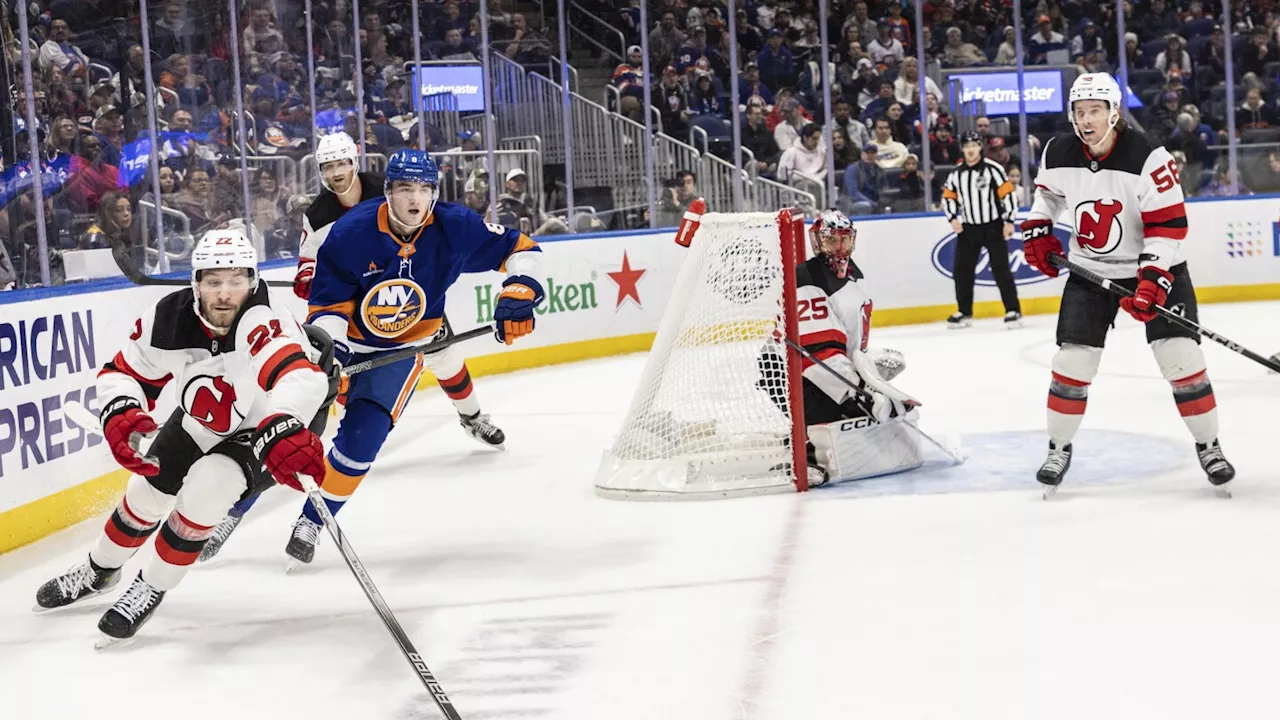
973 238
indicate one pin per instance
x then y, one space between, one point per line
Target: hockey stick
379 604
864 399
82 416
398 355
1173 317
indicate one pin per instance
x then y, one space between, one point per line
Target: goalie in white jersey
1126 200
248 386
848 438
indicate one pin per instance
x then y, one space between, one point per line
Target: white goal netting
712 416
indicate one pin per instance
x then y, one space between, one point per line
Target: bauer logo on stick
393 306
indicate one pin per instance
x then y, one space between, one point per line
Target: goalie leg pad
1074 367
1181 361
861 447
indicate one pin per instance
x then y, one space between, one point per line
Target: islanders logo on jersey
393 306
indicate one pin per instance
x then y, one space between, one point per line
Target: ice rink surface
953 593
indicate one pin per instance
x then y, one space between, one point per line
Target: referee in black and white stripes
980 203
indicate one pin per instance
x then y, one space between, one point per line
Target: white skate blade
37 609
1016 324
106 642
499 446
1223 491
1050 491
292 565
959 325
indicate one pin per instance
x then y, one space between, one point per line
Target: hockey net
718 412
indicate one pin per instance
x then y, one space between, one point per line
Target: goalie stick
864 399
85 418
1270 363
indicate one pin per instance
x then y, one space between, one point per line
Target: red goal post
718 411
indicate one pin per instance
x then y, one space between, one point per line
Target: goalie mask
832 238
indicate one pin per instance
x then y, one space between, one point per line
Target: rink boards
605 296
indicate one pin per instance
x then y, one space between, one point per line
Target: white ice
1136 593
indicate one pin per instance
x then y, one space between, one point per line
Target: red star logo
626 278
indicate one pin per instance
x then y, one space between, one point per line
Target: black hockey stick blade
1173 317
420 668
398 355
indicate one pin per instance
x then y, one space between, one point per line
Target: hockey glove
514 315
341 352
286 447
302 281
1154 285
124 424
1038 243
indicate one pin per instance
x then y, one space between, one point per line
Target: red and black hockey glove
514 314
1038 243
1154 285
124 425
302 281
286 447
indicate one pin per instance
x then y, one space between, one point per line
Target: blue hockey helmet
412 166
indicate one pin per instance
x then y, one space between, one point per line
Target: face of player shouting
222 294
1095 121
408 205
339 174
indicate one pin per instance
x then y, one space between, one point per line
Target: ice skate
1054 468
219 536
485 432
1012 320
1215 465
82 581
130 612
302 544
817 475
958 321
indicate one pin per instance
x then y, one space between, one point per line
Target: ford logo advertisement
944 259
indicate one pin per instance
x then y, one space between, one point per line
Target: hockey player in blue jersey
379 285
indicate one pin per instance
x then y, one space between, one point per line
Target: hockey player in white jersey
247 387
1126 200
834 310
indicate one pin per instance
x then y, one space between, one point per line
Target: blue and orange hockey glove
514 315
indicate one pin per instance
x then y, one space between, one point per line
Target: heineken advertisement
561 297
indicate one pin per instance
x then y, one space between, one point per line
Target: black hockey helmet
972 136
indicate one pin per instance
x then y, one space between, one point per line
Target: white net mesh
711 417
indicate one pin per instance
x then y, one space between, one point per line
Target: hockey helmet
833 237
1095 86
334 147
410 165
222 249
972 136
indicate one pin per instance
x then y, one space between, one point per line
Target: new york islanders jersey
325 210
1127 206
835 319
376 292
263 366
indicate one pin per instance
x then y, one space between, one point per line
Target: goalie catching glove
124 425
287 448
513 317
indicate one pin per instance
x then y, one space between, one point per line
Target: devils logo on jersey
1098 225
212 402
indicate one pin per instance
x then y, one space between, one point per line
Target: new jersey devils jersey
1127 205
263 366
325 210
835 317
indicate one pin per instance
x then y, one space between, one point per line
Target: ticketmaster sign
1041 89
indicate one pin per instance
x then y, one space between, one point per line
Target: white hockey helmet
224 249
1096 86
834 236
335 147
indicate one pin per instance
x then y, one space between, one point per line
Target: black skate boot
302 544
219 536
82 581
1054 468
1215 465
130 612
959 320
1012 319
479 427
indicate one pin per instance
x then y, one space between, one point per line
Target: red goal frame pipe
791 226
